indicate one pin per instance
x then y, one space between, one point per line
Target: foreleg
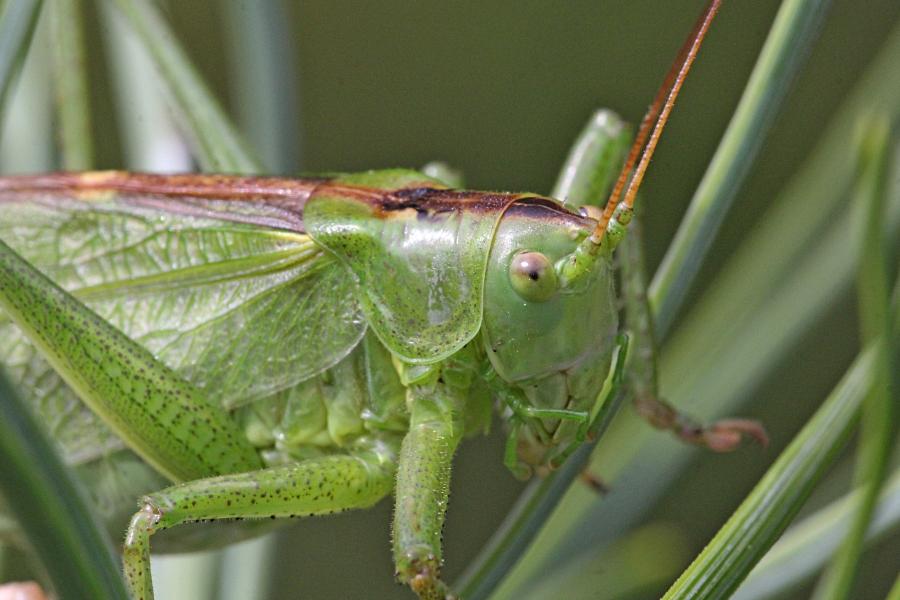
721 436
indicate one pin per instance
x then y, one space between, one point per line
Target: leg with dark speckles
423 488
176 427
312 487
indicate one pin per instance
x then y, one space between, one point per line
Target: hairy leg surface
312 487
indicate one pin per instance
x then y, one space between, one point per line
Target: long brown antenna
659 112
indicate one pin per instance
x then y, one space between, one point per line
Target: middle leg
721 436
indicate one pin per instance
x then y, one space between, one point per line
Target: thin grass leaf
775 500
877 431
894 594
152 142
264 75
773 289
247 568
772 504
521 526
805 548
71 80
50 506
621 570
192 575
26 130
217 143
531 510
17 23
150 139
777 348
795 29
445 173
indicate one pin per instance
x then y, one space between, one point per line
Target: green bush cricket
377 339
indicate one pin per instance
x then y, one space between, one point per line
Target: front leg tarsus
721 436
724 435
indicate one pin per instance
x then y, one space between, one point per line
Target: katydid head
534 324
549 343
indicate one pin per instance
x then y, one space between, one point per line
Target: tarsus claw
727 434
722 436
594 482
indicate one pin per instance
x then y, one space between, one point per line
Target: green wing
241 308
419 254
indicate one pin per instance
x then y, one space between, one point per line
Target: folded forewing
242 306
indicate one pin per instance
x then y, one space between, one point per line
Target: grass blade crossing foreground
539 499
774 288
260 41
50 507
766 512
71 81
877 432
894 594
807 546
772 504
794 30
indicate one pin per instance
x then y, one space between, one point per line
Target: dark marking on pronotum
544 210
433 203
427 202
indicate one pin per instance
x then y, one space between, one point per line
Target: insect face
547 342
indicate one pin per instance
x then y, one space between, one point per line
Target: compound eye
532 276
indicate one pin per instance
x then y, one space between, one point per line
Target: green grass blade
247 568
150 139
775 500
17 22
51 508
261 60
217 143
622 570
26 122
70 76
531 511
894 594
807 546
878 412
792 33
193 575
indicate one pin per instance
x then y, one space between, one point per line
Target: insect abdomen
360 396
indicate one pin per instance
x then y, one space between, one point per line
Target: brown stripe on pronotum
424 201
